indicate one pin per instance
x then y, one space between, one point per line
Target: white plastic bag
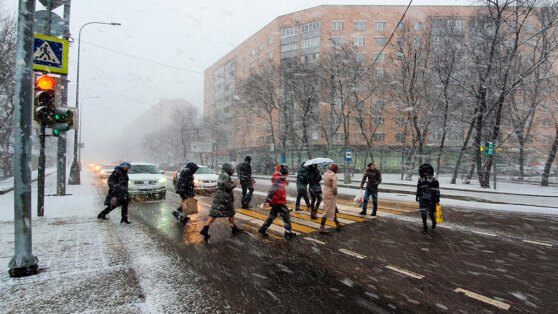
358 197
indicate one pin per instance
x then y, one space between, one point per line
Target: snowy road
477 260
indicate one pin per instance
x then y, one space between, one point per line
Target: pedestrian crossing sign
50 54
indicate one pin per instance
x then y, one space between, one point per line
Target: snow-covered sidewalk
83 263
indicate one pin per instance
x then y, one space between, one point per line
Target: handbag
439 217
190 206
358 197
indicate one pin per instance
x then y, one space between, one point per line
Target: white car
146 179
106 170
204 179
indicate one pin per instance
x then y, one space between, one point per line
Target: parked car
106 170
146 179
204 179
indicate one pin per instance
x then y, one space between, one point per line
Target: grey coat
223 202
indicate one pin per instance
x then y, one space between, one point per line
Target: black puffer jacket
245 173
223 202
428 193
314 178
185 185
118 185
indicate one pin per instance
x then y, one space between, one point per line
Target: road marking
269 234
314 240
539 243
295 226
484 299
351 253
405 272
485 233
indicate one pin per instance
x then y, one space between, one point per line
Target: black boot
102 216
204 232
263 232
433 218
290 235
424 225
125 220
236 230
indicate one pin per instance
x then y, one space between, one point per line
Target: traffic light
63 120
489 148
44 99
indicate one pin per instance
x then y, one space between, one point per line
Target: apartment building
307 35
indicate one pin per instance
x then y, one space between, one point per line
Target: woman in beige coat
330 198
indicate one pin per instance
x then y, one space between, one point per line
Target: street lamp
75 169
79 130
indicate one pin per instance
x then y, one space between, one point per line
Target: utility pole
23 263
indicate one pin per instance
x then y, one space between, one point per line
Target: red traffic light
45 82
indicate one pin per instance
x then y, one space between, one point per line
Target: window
310 42
398 120
358 41
289 47
400 42
379 72
315 135
270 41
379 105
418 42
378 120
259 127
338 41
252 64
379 41
287 32
360 26
310 27
338 25
337 104
360 57
545 139
435 40
314 57
251 128
400 57
270 55
380 26
260 46
401 26
529 28
400 138
459 24
418 26
545 123
253 52
379 57
379 137
260 60
338 136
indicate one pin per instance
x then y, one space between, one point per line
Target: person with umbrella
314 178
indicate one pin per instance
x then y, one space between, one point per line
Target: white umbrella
318 162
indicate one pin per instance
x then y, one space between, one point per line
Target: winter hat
248 159
284 170
426 170
125 164
370 164
333 167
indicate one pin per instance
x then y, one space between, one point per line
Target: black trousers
316 199
430 212
247 197
302 194
124 212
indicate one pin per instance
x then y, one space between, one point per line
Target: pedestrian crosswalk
302 223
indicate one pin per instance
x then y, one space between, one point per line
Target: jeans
367 195
247 197
282 210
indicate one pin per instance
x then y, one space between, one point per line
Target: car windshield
204 170
143 169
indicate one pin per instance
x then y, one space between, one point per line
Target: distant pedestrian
277 198
223 202
185 188
374 178
301 187
246 182
330 198
314 178
428 194
117 193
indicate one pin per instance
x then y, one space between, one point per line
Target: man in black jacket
118 192
246 181
314 178
185 188
374 178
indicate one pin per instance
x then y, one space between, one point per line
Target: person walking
428 194
314 178
277 197
117 193
301 184
246 182
374 178
185 188
330 198
223 202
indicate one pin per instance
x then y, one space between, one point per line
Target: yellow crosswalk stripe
340 215
295 226
391 210
390 205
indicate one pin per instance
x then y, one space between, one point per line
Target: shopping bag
358 197
190 206
439 217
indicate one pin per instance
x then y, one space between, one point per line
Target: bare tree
7 82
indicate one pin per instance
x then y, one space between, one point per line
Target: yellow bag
439 217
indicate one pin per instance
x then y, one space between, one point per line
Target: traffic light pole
41 174
23 263
61 154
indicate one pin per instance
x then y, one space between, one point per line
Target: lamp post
79 130
75 169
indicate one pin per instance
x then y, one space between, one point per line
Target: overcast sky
160 51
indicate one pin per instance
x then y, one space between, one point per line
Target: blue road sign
349 155
50 54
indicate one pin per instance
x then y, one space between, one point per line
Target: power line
144 59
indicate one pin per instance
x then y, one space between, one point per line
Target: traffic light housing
45 99
63 120
489 148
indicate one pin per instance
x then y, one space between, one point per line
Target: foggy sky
159 52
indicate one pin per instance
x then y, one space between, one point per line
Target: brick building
306 36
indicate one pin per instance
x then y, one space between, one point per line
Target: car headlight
162 181
103 172
196 181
